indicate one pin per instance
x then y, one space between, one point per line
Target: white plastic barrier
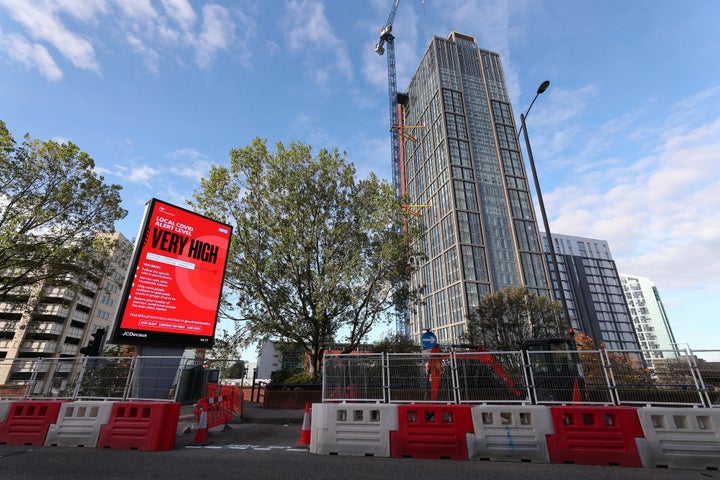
78 424
4 409
510 433
352 428
680 437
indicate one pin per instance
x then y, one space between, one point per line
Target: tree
627 367
53 208
226 347
315 254
504 319
395 343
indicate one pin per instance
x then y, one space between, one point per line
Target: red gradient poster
175 280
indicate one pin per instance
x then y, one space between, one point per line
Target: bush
283 379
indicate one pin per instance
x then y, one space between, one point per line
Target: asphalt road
267 452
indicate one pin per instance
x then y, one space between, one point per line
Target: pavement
260 427
252 412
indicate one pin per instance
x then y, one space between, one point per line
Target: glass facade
595 298
649 318
466 166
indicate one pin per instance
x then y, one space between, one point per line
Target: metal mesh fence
707 365
669 378
427 378
497 377
353 377
672 378
103 378
566 377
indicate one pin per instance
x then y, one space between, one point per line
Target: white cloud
137 9
181 12
150 56
149 32
84 10
308 31
189 163
43 24
140 174
218 32
659 212
32 55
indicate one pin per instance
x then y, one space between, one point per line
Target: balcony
85 300
90 285
59 292
38 346
8 325
69 349
81 317
64 367
74 332
29 366
52 310
12 307
48 328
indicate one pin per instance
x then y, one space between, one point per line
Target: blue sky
626 139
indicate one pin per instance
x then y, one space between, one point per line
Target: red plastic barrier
141 426
28 422
219 410
588 435
236 398
231 391
432 431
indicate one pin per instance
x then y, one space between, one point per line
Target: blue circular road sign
428 339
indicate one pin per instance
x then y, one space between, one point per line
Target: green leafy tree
225 355
395 343
316 255
504 319
53 206
226 347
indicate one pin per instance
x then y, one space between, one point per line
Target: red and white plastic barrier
219 410
141 426
28 421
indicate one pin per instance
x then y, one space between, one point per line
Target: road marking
258 448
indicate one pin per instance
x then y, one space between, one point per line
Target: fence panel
568 376
65 378
104 378
707 366
353 377
426 377
15 374
595 383
488 377
663 381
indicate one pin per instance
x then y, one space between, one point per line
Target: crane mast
387 41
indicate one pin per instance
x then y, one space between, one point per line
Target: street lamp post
563 301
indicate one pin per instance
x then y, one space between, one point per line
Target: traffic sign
428 339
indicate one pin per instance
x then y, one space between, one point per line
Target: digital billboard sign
175 279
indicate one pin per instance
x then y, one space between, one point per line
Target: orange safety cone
577 394
305 433
201 435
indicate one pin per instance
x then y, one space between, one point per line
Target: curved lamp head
543 86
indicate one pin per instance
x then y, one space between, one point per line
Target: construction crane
387 40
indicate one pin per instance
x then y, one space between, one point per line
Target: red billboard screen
175 280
